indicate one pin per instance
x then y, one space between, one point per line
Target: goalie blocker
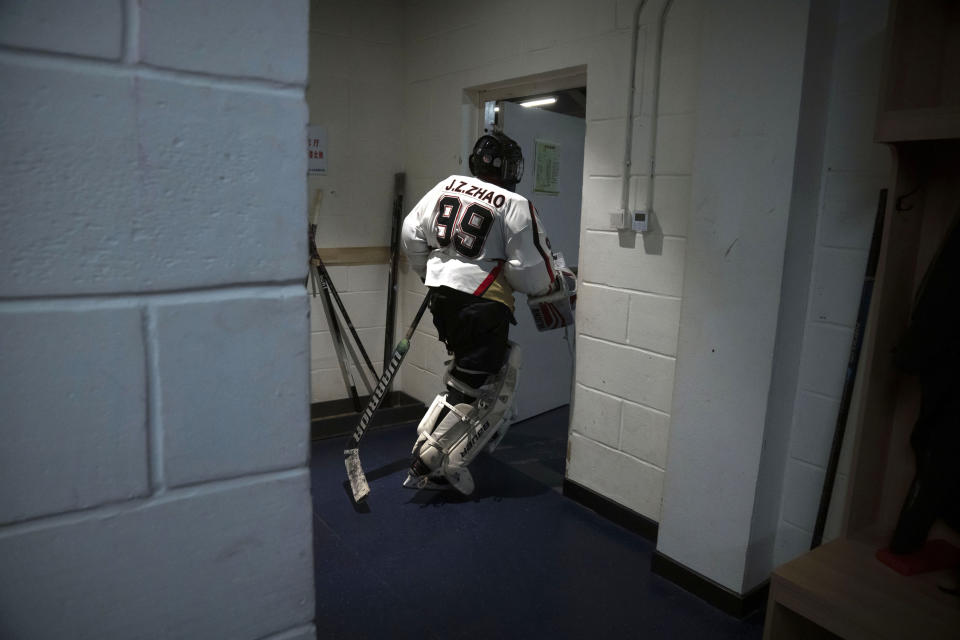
556 308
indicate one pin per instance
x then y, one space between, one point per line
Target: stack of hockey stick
322 285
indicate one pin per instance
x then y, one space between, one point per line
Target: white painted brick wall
825 354
153 321
597 415
356 91
306 632
59 452
630 482
603 194
816 417
675 144
802 483
420 374
638 270
749 92
602 312
91 28
671 203
566 20
218 562
837 275
243 38
66 240
791 541
608 65
653 323
678 85
848 207
604 146
854 170
254 401
645 433
633 374
140 160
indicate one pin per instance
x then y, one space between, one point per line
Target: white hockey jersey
476 237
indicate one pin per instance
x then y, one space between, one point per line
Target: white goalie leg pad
510 373
489 419
429 419
451 446
428 422
434 442
433 439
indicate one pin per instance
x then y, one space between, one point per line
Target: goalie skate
449 447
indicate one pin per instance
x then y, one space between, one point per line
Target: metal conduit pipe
625 191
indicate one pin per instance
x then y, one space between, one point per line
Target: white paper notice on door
547 168
316 149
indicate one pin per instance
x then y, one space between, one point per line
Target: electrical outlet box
618 221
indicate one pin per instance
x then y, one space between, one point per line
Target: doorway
554 139
551 134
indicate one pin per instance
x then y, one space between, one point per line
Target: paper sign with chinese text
316 149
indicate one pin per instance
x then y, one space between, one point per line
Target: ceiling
570 102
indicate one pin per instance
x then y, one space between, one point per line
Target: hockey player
474 242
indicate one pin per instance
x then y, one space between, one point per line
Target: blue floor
515 560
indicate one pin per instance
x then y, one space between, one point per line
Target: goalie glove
555 308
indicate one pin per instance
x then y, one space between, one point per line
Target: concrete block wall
854 169
423 366
355 89
628 311
748 113
153 321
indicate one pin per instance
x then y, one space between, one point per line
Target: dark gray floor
514 560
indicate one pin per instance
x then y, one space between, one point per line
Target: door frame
477 96
473 123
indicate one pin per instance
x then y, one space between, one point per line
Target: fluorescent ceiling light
539 102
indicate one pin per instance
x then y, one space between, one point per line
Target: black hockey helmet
497 158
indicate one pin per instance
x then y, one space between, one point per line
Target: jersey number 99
468 231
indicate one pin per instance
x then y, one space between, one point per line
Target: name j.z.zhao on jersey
476 191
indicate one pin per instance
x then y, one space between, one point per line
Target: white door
547 357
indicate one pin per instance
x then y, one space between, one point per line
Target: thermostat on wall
638 222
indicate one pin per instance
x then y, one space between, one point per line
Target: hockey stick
351 455
326 282
866 293
338 340
397 222
343 312
318 272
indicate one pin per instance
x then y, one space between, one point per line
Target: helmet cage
497 157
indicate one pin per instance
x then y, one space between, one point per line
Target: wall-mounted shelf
840 589
920 99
